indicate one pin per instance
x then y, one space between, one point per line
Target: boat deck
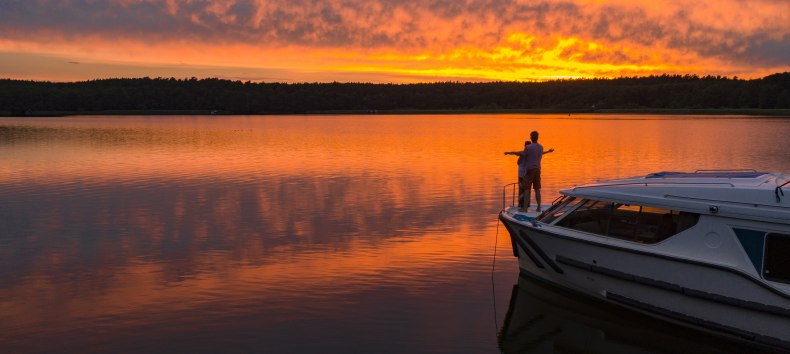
529 215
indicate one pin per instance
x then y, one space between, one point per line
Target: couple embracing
529 171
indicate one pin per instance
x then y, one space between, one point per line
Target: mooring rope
493 285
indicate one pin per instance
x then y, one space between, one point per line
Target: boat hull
675 289
542 318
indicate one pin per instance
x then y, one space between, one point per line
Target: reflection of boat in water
705 249
545 319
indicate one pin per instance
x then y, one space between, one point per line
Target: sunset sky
391 40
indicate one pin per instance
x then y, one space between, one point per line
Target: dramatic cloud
408 40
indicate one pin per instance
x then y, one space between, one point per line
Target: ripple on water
295 234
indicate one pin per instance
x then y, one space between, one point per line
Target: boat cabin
630 222
648 210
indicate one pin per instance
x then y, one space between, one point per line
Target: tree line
237 97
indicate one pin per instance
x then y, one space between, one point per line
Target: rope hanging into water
496 241
493 285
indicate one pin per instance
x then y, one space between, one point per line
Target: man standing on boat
529 171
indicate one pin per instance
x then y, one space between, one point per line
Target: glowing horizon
400 42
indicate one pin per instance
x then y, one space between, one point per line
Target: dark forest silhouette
668 92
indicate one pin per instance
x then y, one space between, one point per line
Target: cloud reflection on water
135 229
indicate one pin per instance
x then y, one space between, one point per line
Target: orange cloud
385 41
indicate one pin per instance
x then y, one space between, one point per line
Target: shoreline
669 112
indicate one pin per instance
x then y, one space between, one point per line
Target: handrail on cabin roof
646 183
761 206
742 174
729 170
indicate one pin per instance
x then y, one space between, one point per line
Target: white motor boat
708 249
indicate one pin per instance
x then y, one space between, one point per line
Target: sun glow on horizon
369 42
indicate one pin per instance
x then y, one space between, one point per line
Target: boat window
624 220
686 220
554 205
559 209
657 224
629 222
777 264
592 216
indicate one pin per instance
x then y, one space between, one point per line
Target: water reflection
372 234
545 319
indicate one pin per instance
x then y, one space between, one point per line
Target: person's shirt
522 164
533 153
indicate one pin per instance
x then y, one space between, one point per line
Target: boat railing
651 183
762 206
513 187
727 170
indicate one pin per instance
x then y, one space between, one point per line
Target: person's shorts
532 179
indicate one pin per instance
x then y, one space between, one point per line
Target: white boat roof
739 194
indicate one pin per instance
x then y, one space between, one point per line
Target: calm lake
319 234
